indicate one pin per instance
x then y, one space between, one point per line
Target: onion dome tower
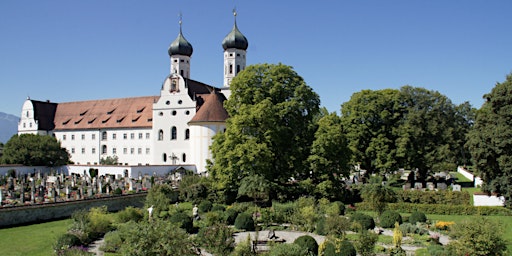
180 52
235 47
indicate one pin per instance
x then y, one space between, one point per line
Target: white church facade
174 128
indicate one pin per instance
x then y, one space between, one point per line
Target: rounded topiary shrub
66 241
185 221
417 217
205 206
364 220
244 221
329 249
347 249
307 242
230 215
388 219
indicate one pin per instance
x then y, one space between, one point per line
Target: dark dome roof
235 39
180 46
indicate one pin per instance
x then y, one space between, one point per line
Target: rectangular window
64 137
132 136
125 136
132 150
83 136
114 151
147 151
93 150
93 136
125 151
147 135
140 136
114 136
72 137
72 150
139 151
83 150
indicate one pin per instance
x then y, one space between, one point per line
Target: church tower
180 52
235 47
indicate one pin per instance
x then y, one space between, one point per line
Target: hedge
445 209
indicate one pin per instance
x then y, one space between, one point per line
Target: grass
33 240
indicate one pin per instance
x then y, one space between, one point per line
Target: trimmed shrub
214 217
185 222
205 206
118 191
307 242
388 219
244 221
287 250
112 242
320 226
230 216
408 228
347 249
341 207
329 249
129 213
443 209
218 208
417 217
364 220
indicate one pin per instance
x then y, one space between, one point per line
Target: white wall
484 200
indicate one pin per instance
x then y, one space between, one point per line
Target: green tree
378 196
490 140
329 157
255 187
109 160
478 236
160 197
270 129
34 150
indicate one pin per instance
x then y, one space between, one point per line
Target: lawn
34 239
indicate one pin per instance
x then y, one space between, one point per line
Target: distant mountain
8 126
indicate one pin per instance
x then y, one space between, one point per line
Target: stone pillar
1 196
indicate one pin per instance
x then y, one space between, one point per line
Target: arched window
104 149
231 68
160 135
184 157
237 69
173 133
104 136
164 157
187 134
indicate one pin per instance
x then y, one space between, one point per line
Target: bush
217 239
347 249
244 221
205 206
341 207
329 249
417 217
288 250
230 215
336 225
307 242
65 242
244 248
129 213
118 191
388 219
438 250
218 208
214 217
364 220
443 209
408 228
183 220
112 242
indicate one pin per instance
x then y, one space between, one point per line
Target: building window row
174 134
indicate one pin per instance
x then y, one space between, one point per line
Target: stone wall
13 216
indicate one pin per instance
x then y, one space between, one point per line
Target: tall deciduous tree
34 150
270 129
490 140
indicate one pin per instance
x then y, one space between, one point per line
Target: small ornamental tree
478 236
307 242
244 221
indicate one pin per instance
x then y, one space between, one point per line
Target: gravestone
456 187
441 186
1 196
406 186
431 186
418 185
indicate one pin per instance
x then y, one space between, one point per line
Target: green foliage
288 250
244 221
270 129
478 236
212 218
109 160
304 218
217 239
34 150
230 216
346 249
100 222
434 197
408 228
442 209
112 242
129 213
307 242
388 219
336 225
365 242
205 206
365 221
255 187
244 248
417 217
157 237
160 196
193 188
438 250
66 241
378 196
218 207
183 221
118 191
490 141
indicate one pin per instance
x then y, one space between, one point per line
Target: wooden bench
259 243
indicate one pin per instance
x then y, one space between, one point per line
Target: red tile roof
212 108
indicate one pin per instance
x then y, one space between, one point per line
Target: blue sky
63 50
